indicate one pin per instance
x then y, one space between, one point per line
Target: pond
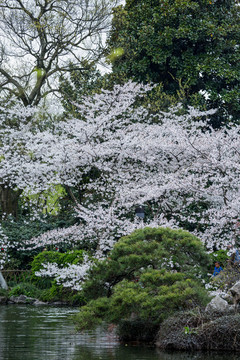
47 333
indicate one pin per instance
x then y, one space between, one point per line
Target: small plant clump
27 289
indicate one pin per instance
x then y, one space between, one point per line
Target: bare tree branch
37 37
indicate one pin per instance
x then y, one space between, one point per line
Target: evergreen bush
148 276
149 248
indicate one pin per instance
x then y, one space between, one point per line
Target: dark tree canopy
193 41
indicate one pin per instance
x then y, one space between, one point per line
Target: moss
200 331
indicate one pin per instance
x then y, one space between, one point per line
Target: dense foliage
61 259
47 288
71 181
116 157
189 43
147 276
64 269
155 248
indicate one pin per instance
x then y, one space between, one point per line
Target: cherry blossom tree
41 40
183 172
4 246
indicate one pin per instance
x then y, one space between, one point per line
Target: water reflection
46 333
197 355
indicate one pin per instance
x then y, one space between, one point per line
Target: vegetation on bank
46 288
151 287
196 330
71 181
153 268
148 276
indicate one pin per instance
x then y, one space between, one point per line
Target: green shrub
154 248
26 289
3 292
157 295
60 293
61 259
54 293
148 276
221 256
18 231
51 290
226 278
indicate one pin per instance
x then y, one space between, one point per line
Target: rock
30 300
3 283
231 308
222 334
21 299
217 304
39 303
235 292
3 300
59 303
204 331
178 331
235 289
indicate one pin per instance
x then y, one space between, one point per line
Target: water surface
47 333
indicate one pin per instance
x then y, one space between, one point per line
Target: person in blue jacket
217 268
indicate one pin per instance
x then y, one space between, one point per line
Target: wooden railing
16 275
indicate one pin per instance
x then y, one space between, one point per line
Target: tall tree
38 38
181 170
194 42
77 84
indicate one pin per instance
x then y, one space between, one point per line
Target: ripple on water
47 333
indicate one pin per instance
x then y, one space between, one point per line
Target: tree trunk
9 201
